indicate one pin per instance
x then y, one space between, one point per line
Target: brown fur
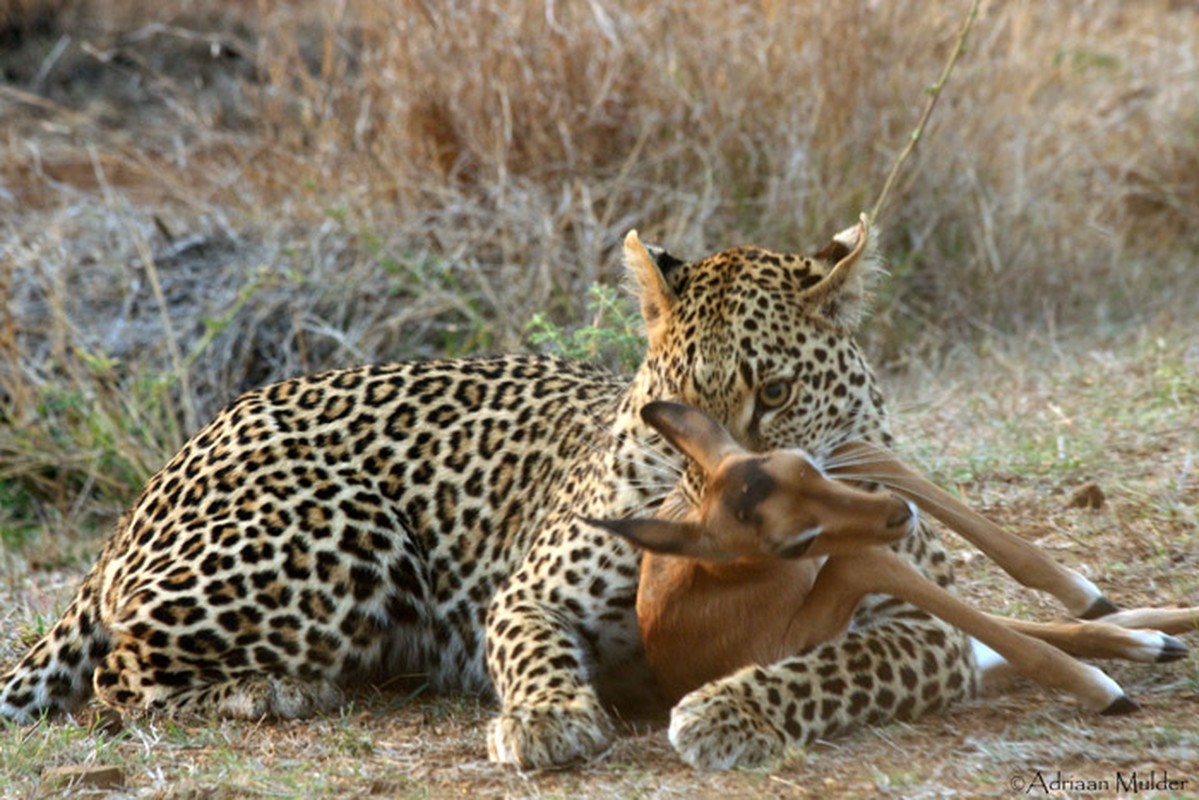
720 589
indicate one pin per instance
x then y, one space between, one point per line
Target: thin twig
29 98
934 92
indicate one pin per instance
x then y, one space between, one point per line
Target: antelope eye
774 393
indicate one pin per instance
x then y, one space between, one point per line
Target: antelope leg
1019 558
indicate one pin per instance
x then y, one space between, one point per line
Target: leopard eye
773 394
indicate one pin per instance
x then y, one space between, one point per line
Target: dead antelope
749 552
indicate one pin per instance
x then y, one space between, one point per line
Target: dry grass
199 197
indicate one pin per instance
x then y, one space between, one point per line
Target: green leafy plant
613 337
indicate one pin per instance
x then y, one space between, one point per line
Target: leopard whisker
655 461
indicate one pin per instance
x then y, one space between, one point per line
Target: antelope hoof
1100 608
1172 649
1120 706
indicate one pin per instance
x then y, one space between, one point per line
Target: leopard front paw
716 728
548 736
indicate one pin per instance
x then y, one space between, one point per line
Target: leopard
430 517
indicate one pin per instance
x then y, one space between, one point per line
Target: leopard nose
901 517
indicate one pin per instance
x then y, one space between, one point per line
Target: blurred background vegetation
201 196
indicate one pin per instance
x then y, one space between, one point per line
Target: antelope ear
657 298
843 295
660 535
698 435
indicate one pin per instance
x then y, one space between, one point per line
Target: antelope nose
901 517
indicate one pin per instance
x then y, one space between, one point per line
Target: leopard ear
657 298
842 296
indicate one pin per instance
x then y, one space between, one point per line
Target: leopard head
764 341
